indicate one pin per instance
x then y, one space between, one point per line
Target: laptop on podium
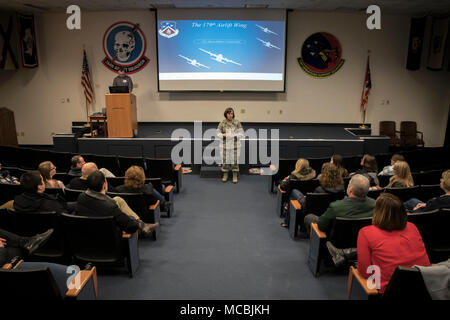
118 89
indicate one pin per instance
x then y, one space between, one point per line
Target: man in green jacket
356 205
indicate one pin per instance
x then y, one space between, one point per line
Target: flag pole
363 126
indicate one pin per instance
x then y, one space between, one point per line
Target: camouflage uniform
230 147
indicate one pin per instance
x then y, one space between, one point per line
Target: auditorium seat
315 203
146 207
72 195
285 167
384 180
342 234
165 169
406 284
404 193
63 176
374 194
109 162
56 192
39 283
99 241
6 221
9 192
157 185
115 181
304 186
387 128
410 136
9 156
352 163
28 224
383 160
61 160
127 162
427 177
428 192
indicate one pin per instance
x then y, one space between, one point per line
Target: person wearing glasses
48 170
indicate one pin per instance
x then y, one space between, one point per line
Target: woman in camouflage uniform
231 131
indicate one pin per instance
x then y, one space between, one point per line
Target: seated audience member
356 205
369 170
48 170
95 203
330 179
390 241
6 178
79 183
402 177
338 161
302 172
415 205
135 183
12 245
330 182
34 199
77 163
389 170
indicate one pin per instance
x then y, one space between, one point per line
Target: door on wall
8 135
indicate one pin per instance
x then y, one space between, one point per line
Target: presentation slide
210 54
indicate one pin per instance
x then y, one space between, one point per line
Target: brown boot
147 228
225 177
235 178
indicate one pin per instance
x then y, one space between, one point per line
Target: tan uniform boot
235 178
225 177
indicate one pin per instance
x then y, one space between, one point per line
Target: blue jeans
159 196
295 195
411 204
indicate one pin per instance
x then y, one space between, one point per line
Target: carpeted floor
224 242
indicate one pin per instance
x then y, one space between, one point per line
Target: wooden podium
121 114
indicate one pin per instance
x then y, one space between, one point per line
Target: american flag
86 80
366 88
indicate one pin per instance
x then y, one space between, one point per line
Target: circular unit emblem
321 55
124 45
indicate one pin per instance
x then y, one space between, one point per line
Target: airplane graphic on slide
266 30
193 62
268 44
219 57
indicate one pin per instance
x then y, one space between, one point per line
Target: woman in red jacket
390 241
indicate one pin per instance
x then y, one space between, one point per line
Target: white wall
36 95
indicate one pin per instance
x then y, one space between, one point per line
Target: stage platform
307 140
